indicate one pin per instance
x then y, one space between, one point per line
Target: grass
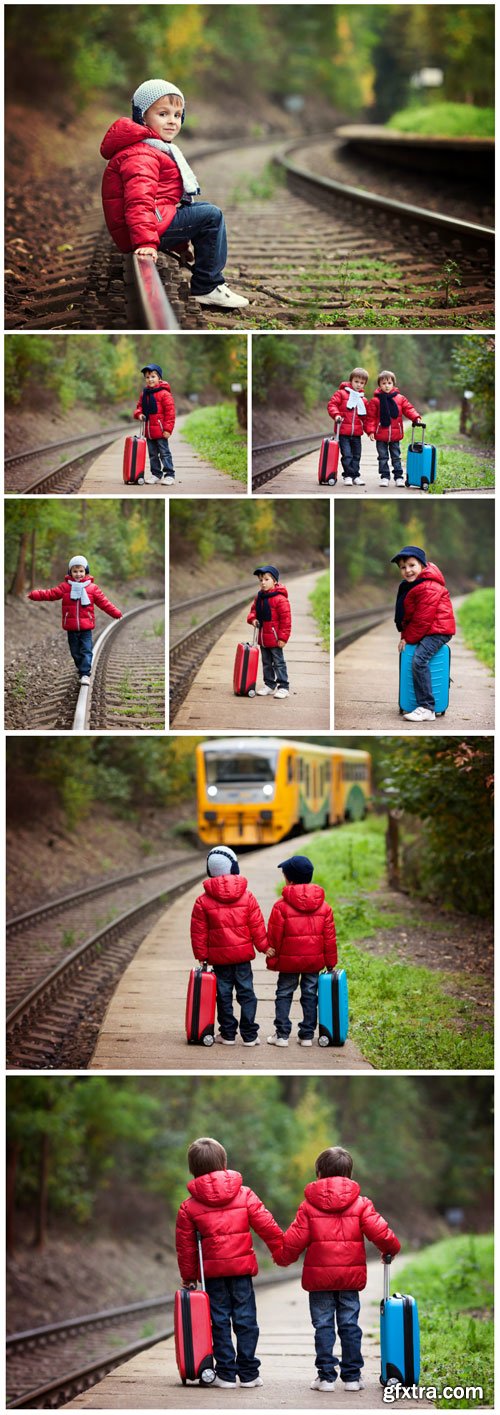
401 1015
260 188
453 1282
320 603
457 466
445 120
476 617
215 434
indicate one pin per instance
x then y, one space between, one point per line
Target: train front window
240 771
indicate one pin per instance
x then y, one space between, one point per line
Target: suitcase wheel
323 1041
207 1377
251 693
424 484
140 481
331 481
208 1040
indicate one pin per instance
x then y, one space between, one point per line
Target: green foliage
453 1284
445 120
127 776
476 617
246 531
215 434
461 543
123 540
320 601
473 364
457 465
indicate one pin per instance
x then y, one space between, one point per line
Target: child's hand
401 645
281 643
371 436
147 250
270 952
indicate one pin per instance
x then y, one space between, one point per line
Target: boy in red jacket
226 928
301 934
424 616
148 192
347 407
222 1210
156 406
384 425
332 1224
79 594
271 611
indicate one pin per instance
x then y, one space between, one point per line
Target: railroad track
367 252
55 1023
69 473
289 452
359 623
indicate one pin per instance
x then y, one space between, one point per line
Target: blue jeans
424 651
160 457
274 668
240 977
203 225
392 450
232 1301
324 1308
287 983
80 647
350 454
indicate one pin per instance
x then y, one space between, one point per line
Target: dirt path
140 1031
194 475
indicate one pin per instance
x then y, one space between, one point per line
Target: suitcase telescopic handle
387 1260
200 1255
255 635
413 427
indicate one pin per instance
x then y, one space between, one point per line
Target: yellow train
255 790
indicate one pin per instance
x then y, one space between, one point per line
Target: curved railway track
56 1021
367 252
69 474
359 623
291 449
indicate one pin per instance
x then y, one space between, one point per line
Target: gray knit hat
222 861
148 93
78 560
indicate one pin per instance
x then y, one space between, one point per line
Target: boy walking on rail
271 611
148 193
384 426
424 616
156 406
347 407
222 1209
331 1225
226 928
302 941
79 594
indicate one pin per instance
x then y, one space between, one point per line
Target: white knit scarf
190 182
78 591
356 400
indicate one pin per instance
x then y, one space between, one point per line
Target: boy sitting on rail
79 594
157 407
347 407
226 928
271 611
302 941
384 425
331 1224
148 190
223 1210
424 616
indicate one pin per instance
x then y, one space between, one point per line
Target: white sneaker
223 298
399 481
281 692
255 1043
276 1041
322 1385
169 481
84 680
420 714
347 481
264 692
225 1042
354 1385
304 1041
358 481
248 1384
226 1385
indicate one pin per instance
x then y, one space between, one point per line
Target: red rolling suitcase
246 668
134 459
200 1006
193 1332
328 464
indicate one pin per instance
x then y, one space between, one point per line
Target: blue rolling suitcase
333 1008
399 1336
421 462
439 666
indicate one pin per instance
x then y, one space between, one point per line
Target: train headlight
211 790
267 790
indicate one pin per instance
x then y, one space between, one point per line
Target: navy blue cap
152 368
410 550
298 869
267 569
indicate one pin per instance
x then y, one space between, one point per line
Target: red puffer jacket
352 425
161 423
302 930
74 614
331 1224
140 187
427 607
222 1209
395 432
279 626
226 923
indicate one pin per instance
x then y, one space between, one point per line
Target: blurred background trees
459 538
248 530
122 539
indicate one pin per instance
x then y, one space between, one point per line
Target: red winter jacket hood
427 607
332 1224
302 931
161 423
395 432
74 614
222 1209
140 187
226 923
279 626
352 425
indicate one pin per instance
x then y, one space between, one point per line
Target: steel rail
67 442
84 700
155 305
53 906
